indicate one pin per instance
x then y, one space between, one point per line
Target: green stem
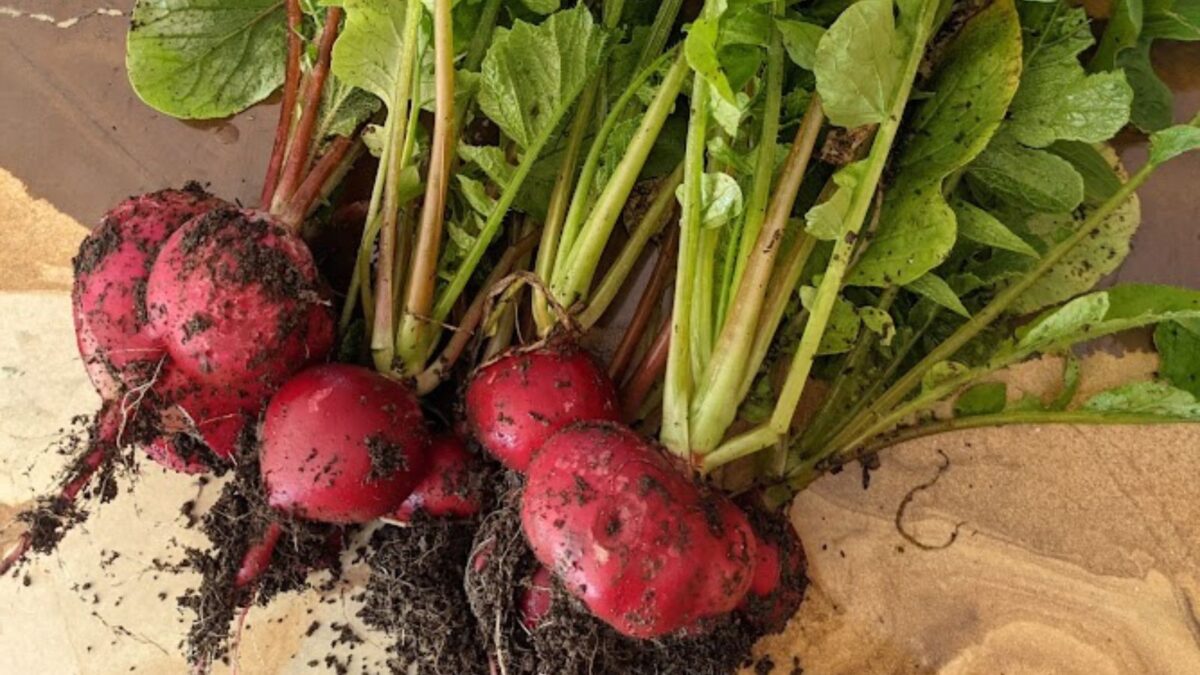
860 206
591 164
783 285
852 370
560 196
872 416
677 388
556 211
450 294
650 224
764 166
703 301
584 254
814 467
382 340
427 249
715 404
660 32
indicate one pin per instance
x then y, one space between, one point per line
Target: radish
111 271
777 587
451 488
535 598
516 402
648 550
235 299
342 444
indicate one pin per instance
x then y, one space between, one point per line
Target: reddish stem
103 447
648 372
429 379
291 87
309 192
310 108
651 297
258 556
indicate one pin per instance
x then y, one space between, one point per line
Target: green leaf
857 64
982 227
1153 102
721 197
940 372
827 220
936 289
531 74
343 109
1172 19
1121 33
844 322
1057 99
972 87
476 195
1071 380
1152 399
1100 178
879 322
1033 180
1085 265
1062 325
800 39
367 53
916 233
1172 142
1179 354
1106 312
984 398
199 59
541 6
700 50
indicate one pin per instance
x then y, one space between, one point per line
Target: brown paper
1076 551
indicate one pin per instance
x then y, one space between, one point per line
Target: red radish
342 444
516 402
108 296
449 489
779 580
533 603
647 549
258 556
235 298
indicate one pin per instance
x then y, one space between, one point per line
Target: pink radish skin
234 297
319 434
111 271
447 491
777 589
518 401
535 599
648 550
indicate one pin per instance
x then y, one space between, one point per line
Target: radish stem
297 157
651 223
677 389
716 404
647 304
383 330
287 106
646 375
432 376
423 270
580 263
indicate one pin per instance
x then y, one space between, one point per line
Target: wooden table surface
1077 548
